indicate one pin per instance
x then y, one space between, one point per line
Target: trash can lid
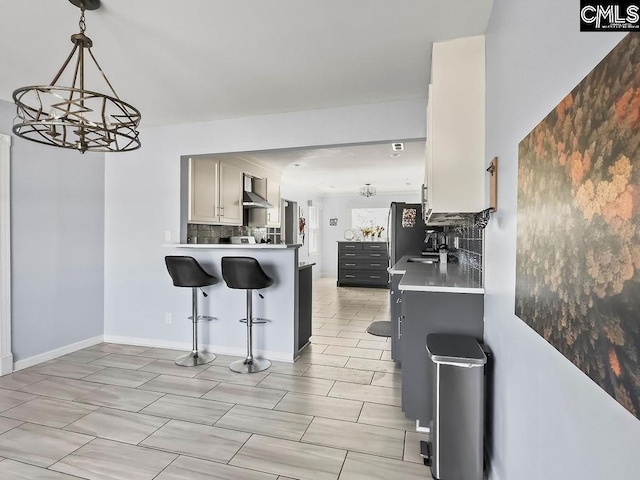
463 350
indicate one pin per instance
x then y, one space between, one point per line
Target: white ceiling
342 170
199 60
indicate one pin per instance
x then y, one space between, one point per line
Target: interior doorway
6 357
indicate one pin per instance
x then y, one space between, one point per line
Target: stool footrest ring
255 320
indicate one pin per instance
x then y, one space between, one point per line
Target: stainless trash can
457 430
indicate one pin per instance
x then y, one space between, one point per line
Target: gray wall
57 235
550 420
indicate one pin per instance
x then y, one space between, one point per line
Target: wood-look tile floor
127 412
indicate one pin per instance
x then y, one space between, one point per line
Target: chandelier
74 116
367 190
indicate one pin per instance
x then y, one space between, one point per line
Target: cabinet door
273 197
230 194
203 190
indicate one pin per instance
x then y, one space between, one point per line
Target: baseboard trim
58 352
220 349
6 364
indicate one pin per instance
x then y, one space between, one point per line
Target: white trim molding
6 356
58 352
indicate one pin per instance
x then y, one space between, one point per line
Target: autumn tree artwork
578 241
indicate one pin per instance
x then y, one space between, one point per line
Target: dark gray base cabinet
363 264
424 313
395 307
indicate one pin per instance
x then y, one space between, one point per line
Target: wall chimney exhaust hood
250 199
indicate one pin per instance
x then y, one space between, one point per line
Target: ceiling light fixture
75 117
368 190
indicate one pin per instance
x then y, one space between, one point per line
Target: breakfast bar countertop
435 277
275 246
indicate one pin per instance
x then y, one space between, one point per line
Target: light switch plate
167 235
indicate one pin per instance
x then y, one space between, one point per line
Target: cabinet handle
374 276
375 254
349 254
399 300
374 246
375 264
349 264
350 276
349 246
399 327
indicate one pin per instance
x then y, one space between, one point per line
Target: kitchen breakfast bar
288 323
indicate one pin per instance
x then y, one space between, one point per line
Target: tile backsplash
197 233
470 247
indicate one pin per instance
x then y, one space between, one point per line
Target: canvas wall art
578 241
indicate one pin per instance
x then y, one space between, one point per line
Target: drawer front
363 255
375 246
360 264
349 246
369 277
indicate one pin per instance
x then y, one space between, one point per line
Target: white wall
550 420
143 198
302 197
57 226
340 207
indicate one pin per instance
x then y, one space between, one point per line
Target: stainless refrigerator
405 231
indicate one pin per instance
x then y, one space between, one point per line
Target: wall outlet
167 318
167 235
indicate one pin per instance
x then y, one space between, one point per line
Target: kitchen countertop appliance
243 240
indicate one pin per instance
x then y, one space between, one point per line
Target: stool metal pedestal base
247 365
192 359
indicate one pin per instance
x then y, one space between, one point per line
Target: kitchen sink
423 260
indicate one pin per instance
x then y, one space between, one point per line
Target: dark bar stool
245 273
187 272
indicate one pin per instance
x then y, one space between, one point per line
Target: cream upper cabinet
455 153
273 197
230 194
215 192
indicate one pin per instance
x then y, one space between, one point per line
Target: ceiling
200 60
342 170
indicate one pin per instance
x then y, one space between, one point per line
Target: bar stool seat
245 273
187 272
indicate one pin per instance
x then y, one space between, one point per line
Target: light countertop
435 277
303 265
268 246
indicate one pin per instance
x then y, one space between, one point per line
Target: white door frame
6 357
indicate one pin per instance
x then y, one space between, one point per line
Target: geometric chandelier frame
73 116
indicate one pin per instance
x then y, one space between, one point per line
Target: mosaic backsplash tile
197 233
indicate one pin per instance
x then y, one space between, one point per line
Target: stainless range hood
250 199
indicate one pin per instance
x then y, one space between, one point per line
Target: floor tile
313 348
326 332
356 437
38 445
82 356
187 468
201 441
49 411
337 373
313 386
367 393
386 355
385 416
285 368
322 359
354 352
343 342
373 365
11 398
169 367
7 424
222 360
290 426
117 348
353 328
361 336
223 374
163 353
359 466
18 380
60 387
121 377
361 323
412 447
245 395
122 398
194 410
117 425
189 387
68 369
383 379
374 344
105 459
320 406
21 471
128 362
293 459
